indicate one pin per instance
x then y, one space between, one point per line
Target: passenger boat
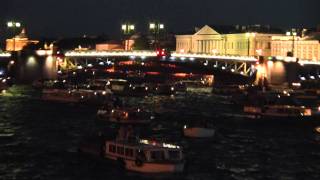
62 95
180 87
145 156
136 90
228 90
278 111
164 89
124 115
117 85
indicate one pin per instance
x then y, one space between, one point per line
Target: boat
145 156
124 115
278 111
117 85
164 89
180 87
201 129
62 95
198 132
136 90
124 88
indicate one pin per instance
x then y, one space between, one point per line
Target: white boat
61 95
279 111
125 115
146 156
198 132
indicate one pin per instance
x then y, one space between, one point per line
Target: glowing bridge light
44 52
172 58
210 56
111 54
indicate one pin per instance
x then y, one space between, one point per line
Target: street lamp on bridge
292 33
14 25
127 28
156 28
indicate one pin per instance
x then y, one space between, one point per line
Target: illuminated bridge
235 64
276 69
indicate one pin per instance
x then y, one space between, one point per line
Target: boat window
140 154
174 154
129 152
157 155
112 148
120 150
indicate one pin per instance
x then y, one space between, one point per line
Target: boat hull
154 167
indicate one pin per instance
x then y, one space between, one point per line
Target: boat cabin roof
146 145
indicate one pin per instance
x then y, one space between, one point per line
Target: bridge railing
110 53
210 56
5 54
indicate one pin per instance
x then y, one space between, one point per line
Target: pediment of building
207 30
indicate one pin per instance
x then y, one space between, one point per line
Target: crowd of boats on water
150 156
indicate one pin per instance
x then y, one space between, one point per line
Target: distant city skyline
52 18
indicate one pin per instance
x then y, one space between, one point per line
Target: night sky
59 18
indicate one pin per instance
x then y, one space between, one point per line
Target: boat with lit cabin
145 156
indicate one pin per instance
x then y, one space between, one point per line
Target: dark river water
39 140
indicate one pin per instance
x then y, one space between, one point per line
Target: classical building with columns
244 41
305 48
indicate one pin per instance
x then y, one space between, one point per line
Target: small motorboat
201 129
125 115
145 156
198 132
164 89
62 95
278 111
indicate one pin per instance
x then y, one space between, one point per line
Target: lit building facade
209 41
302 48
18 42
